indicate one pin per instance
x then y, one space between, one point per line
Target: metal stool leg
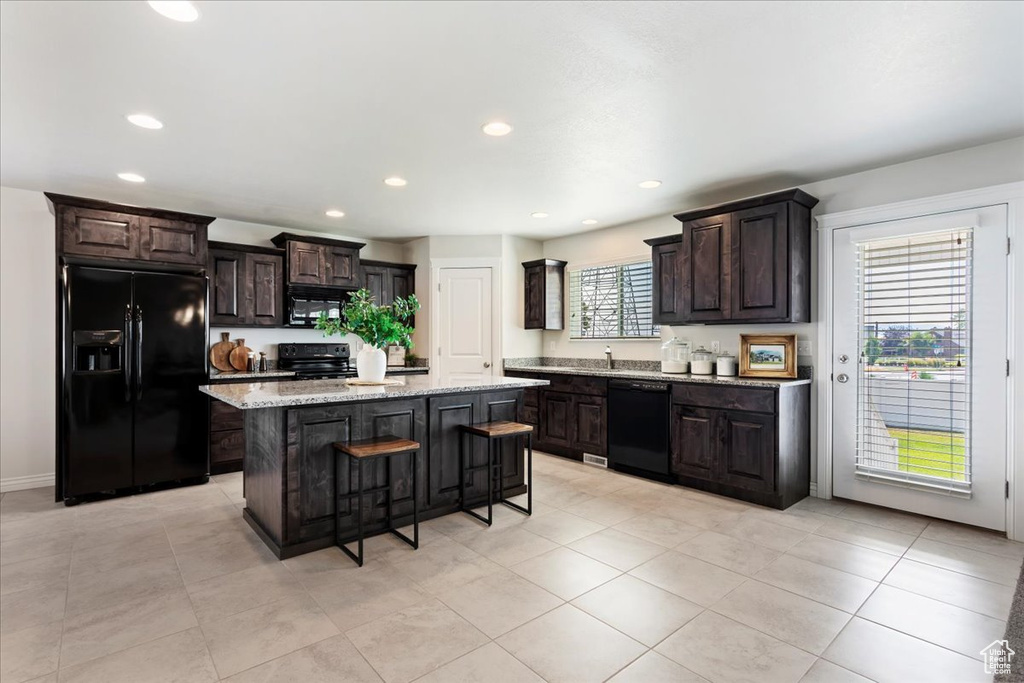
528 510
358 558
489 519
415 540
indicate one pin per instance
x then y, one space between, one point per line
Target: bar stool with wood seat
493 431
366 450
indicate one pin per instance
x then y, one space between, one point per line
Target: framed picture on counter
768 355
396 356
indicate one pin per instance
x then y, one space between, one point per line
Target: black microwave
306 304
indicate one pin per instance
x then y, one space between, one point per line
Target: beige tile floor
614 578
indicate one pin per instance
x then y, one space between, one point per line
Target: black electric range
316 361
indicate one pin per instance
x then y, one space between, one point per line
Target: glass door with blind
918 375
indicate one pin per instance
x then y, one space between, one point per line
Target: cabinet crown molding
545 262
100 205
281 239
794 195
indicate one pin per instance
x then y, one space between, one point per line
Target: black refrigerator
133 357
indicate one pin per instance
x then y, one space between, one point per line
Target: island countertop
248 396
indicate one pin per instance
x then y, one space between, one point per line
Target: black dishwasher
638 419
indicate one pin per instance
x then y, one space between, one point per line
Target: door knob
486 364
842 378
843 358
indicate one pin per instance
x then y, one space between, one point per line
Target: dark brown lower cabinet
747 456
591 422
762 456
694 439
555 418
751 443
227 440
570 416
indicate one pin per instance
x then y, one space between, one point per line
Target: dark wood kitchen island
290 480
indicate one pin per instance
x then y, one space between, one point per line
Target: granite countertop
216 375
659 376
251 395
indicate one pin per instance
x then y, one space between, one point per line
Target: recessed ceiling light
497 128
395 181
334 213
538 214
649 184
145 121
589 221
131 177
178 10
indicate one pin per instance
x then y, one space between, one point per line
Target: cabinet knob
486 364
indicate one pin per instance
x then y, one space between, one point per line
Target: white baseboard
814 490
35 481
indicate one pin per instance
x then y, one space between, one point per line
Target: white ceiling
276 111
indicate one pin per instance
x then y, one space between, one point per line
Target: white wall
517 342
28 287
986 165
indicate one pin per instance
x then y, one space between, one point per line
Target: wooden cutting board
220 352
239 356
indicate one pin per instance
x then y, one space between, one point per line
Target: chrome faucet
608 357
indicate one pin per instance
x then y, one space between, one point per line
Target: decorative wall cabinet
741 262
246 285
320 261
544 296
101 230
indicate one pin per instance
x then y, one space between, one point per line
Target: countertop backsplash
267 338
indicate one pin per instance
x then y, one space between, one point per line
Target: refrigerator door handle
138 353
126 361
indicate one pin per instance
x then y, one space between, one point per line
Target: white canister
726 365
702 362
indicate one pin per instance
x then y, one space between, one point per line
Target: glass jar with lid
675 356
726 365
702 362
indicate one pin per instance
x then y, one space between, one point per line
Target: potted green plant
378 326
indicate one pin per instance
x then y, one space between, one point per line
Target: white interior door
465 323
919 377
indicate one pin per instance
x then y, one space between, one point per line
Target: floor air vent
595 460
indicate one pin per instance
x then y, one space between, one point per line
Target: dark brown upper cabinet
544 296
101 230
741 262
246 285
320 261
667 271
389 281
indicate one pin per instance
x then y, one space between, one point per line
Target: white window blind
611 302
914 371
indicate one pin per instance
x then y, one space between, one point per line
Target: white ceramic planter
371 364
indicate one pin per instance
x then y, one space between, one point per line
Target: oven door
305 308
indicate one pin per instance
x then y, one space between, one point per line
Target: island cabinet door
310 477
447 415
505 406
406 419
